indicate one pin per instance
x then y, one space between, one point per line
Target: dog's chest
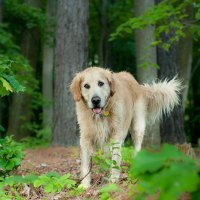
102 131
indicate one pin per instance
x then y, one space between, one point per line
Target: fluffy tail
162 97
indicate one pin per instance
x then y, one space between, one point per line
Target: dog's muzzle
96 101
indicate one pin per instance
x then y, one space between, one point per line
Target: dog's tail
162 97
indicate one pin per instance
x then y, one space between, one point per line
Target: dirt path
60 159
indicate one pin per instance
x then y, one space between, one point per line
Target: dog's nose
96 100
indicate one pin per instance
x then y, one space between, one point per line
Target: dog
109 104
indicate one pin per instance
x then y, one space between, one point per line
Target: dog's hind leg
138 125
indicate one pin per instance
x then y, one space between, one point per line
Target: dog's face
94 86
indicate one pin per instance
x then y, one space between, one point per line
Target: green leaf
49 188
30 178
17 87
109 188
37 183
166 172
6 84
2 128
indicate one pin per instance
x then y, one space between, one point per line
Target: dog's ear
111 82
75 87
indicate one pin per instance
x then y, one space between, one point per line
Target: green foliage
11 155
165 16
105 19
42 138
163 175
52 183
26 17
19 20
106 190
7 43
103 160
13 184
168 174
8 81
127 154
17 180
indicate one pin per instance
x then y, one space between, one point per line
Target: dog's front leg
116 161
85 164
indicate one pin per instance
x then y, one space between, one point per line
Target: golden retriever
109 104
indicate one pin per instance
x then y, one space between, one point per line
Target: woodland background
43 43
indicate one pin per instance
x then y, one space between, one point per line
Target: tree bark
2 101
102 42
1 10
146 54
172 129
185 64
184 58
70 57
194 122
47 70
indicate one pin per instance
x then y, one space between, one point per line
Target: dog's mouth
97 110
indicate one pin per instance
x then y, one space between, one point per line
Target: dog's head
94 86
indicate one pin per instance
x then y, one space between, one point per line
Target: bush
11 155
166 174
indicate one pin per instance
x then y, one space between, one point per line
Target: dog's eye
100 83
86 86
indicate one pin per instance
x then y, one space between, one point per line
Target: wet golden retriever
109 104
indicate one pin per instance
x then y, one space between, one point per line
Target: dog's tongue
97 110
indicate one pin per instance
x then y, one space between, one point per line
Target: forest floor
65 160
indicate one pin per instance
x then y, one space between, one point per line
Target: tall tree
20 109
184 55
194 122
70 57
146 59
2 107
184 60
47 73
1 10
172 130
105 50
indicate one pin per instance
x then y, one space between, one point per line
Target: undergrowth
165 174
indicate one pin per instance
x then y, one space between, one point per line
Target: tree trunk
1 10
185 64
172 130
194 126
184 59
102 42
2 101
146 54
70 57
47 73
20 109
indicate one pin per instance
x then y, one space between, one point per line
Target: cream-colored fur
129 106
